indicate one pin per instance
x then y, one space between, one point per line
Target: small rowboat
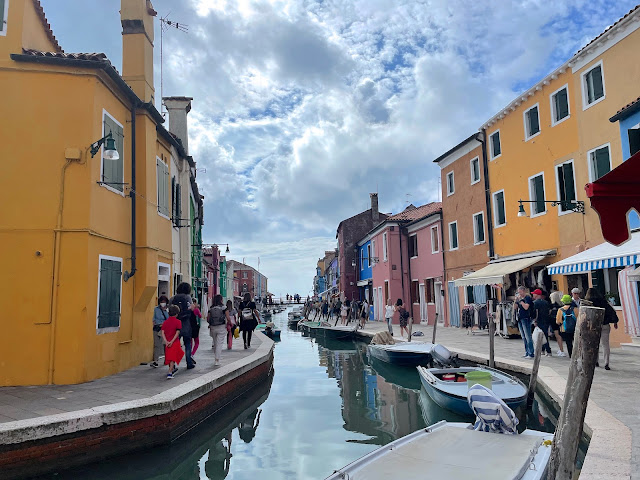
448 387
403 353
339 332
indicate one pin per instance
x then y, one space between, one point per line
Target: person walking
217 321
404 317
344 311
525 309
388 315
171 337
160 314
556 303
542 308
575 295
232 322
325 310
182 299
566 319
249 317
610 317
196 320
364 313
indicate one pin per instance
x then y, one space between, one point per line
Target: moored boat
403 353
338 332
448 387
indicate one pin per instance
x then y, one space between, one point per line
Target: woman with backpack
404 317
566 318
610 316
217 327
249 317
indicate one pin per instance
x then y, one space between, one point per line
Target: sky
303 107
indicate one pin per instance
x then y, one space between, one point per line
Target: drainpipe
445 285
132 193
487 192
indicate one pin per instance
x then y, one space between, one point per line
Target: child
173 352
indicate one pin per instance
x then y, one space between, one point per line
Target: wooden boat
451 450
452 394
306 325
403 353
338 332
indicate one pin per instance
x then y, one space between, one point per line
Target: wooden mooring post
492 333
435 326
533 379
576 394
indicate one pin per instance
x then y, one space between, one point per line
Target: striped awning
634 276
601 256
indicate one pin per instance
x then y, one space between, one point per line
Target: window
430 290
4 7
566 186
176 201
599 162
162 174
413 246
499 213
592 86
531 122
536 195
384 247
415 292
494 145
244 275
478 228
373 252
469 296
475 170
634 140
386 291
109 294
362 259
451 186
435 239
606 282
559 105
112 170
453 236
369 255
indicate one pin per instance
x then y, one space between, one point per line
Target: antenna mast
165 24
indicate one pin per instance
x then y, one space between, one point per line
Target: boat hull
405 359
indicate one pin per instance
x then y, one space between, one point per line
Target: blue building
320 282
365 272
629 121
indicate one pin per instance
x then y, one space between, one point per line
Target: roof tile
45 24
416 213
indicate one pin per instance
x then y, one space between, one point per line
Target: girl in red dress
173 352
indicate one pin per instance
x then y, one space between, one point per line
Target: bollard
576 395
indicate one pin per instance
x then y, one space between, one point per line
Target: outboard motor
443 357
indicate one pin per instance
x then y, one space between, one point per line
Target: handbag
236 332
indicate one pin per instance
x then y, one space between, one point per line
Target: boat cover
451 453
492 414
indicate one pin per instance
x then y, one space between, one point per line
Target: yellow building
82 284
551 141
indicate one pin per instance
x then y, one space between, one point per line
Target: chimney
136 17
178 107
375 215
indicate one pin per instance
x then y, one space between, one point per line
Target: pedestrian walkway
143 381
617 391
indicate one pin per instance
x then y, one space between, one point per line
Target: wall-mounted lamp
110 152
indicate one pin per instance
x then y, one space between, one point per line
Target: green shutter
113 170
163 187
596 81
479 221
538 192
601 163
109 293
534 122
453 231
499 205
565 181
495 144
178 202
562 104
173 200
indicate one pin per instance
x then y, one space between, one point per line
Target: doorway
424 314
439 303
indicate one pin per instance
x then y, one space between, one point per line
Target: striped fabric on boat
492 414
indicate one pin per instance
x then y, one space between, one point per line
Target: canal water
325 405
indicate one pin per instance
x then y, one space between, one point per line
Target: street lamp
110 151
573 205
212 245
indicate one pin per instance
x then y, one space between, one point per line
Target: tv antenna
166 24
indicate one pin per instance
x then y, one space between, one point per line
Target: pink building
408 263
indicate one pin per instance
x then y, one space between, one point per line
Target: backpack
181 301
569 320
247 313
216 316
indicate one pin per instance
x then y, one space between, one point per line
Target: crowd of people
177 322
556 315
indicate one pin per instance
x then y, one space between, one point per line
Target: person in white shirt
388 315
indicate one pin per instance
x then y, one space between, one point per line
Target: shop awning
613 195
634 276
364 283
494 272
604 255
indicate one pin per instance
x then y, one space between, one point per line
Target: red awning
613 195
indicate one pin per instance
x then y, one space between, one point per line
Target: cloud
303 107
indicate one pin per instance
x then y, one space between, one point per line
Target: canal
325 405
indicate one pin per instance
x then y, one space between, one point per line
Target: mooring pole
576 393
435 326
533 379
492 337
